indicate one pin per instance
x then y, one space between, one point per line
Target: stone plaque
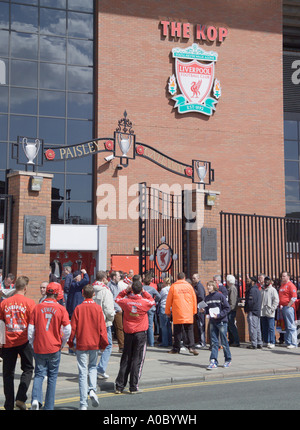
34 237
209 244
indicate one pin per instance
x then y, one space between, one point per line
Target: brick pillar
32 203
208 263
206 260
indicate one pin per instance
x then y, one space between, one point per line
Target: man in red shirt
15 311
89 328
135 302
47 321
287 297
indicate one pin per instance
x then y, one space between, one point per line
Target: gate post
30 229
203 229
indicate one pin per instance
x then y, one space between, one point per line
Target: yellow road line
190 384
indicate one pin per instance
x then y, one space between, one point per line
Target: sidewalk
161 368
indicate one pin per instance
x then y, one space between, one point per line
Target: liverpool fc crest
195 79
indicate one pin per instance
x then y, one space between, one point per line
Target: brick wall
26 202
244 137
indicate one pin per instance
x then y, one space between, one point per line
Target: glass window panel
80 25
3 99
80 105
79 131
57 212
53 49
53 21
292 190
290 130
23 100
24 45
291 170
52 130
86 6
22 126
58 187
80 79
80 186
52 103
4 42
4 15
80 52
53 166
52 76
293 209
3 158
78 213
24 73
24 18
3 130
80 165
291 149
60 4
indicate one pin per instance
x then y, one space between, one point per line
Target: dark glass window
53 21
23 100
80 25
46 47
53 49
52 76
24 73
24 18
52 103
4 15
24 45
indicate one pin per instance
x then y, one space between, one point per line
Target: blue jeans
166 329
87 368
45 365
268 329
290 336
150 331
103 362
216 330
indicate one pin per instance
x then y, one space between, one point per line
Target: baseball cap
253 278
76 273
53 288
267 278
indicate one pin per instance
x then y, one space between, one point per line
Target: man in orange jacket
182 299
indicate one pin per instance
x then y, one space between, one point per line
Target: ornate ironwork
126 124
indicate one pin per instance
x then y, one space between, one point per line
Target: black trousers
10 356
132 360
185 332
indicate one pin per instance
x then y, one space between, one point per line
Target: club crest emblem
163 257
195 79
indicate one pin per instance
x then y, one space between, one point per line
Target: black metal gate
161 223
6 202
254 244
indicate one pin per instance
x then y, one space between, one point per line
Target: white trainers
35 405
94 398
103 375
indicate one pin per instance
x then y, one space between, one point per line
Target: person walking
104 298
183 302
88 326
199 318
75 297
232 299
118 320
151 313
48 332
287 297
135 303
165 320
269 304
217 308
253 309
15 311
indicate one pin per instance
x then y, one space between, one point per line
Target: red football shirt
47 319
15 312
